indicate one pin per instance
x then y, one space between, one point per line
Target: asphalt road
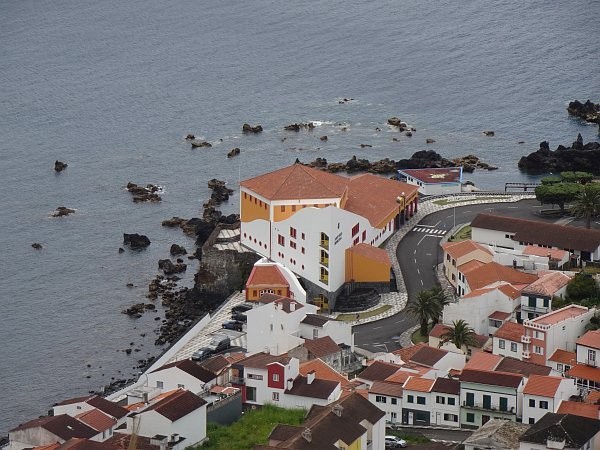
418 253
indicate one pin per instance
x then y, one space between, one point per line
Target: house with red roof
434 180
561 361
436 337
536 298
308 219
465 254
586 371
543 394
387 396
267 279
49 430
178 418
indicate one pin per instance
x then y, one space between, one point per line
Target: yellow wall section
361 269
250 211
355 445
253 293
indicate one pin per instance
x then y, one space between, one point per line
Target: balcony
525 354
324 279
490 407
237 380
535 309
526 339
591 362
324 262
325 244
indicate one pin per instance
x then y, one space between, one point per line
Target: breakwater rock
579 157
135 240
588 111
146 193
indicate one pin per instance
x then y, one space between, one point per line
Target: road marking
377 328
418 271
433 235
415 252
421 282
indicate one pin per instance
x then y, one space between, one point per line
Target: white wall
494 238
173 377
583 355
388 408
506 351
299 294
296 401
566 389
439 409
339 331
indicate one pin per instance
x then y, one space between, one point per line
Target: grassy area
444 201
416 337
252 429
463 234
349 317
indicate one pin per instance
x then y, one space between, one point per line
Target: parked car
241 308
201 354
233 325
219 343
240 317
394 442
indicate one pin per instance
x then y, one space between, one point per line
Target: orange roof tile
510 291
323 371
96 419
471 265
499 315
493 273
375 198
593 397
438 330
564 357
386 388
400 377
547 284
418 384
544 386
554 253
579 409
268 275
370 252
560 315
407 352
483 361
297 182
462 248
584 372
590 339
511 331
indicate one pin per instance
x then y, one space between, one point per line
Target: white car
394 442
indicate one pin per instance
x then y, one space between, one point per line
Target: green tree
460 334
583 287
552 179
576 177
441 298
557 194
594 323
587 203
425 308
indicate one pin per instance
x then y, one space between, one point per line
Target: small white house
434 180
184 374
387 396
543 394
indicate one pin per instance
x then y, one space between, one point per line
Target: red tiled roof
378 371
321 389
322 371
96 419
63 426
177 405
526 368
483 361
108 407
435 175
401 376
428 356
446 386
511 331
490 378
262 360
564 357
438 330
266 275
584 372
554 253
493 272
499 315
297 182
547 284
284 303
544 386
386 388
579 409
590 339
559 315
321 347
191 368
458 249
372 253
407 352
418 384
471 265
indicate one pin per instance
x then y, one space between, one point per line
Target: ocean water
112 88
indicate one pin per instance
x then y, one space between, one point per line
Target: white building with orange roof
587 369
434 180
387 396
268 278
484 309
536 298
544 394
562 360
458 253
507 340
492 274
579 409
417 401
307 219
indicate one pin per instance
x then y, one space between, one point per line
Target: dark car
233 325
219 343
239 317
201 354
238 309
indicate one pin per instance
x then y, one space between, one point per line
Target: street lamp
402 198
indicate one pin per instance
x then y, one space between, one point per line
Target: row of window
251 239
502 345
256 201
543 404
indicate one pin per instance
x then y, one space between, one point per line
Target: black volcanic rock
579 157
588 111
135 240
247 128
59 166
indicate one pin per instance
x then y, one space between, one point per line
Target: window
487 401
253 376
280 240
454 262
315 333
293 232
470 401
380 399
591 355
532 402
420 400
292 244
410 399
394 401
303 250
451 401
538 350
503 404
355 230
502 343
470 417
275 396
513 347
275 377
293 208
440 399
447 257
364 235
543 404
546 303
283 208
250 394
303 236
450 417
393 416
559 367
181 386
531 421
159 384
532 302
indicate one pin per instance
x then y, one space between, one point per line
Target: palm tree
587 203
440 297
425 308
460 334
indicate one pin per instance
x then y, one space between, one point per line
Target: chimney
174 437
292 306
290 384
337 410
307 435
310 377
145 398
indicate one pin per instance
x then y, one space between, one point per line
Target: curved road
418 253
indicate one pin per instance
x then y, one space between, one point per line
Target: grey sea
113 87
